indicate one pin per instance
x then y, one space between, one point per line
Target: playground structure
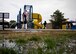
36 20
69 25
29 20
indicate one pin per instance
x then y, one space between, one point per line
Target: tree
12 24
57 18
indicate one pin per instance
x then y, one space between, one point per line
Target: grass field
51 33
44 42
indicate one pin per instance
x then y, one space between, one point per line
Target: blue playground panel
73 27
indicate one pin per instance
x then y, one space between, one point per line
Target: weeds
34 38
52 43
7 51
20 41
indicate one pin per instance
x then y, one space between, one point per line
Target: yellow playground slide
37 20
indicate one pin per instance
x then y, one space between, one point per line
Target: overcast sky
44 7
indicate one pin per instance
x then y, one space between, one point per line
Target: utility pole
3 21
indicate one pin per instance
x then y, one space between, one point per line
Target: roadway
38 30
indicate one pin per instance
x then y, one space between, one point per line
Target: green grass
34 38
51 43
20 41
7 51
51 39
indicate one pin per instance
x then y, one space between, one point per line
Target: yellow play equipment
37 18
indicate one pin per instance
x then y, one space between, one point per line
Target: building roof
69 22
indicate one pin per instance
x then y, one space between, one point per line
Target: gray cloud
71 4
70 9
